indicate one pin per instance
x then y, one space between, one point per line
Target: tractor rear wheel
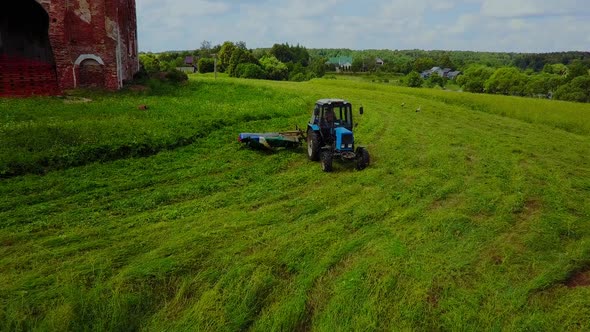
326 161
313 145
362 158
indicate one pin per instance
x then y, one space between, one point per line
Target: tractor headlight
343 146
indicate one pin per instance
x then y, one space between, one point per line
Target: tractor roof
331 101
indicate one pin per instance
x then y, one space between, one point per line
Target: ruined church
48 46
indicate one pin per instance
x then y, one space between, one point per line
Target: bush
206 65
176 76
299 77
249 70
239 56
577 90
414 80
475 77
507 81
275 69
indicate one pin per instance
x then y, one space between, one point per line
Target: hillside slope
474 214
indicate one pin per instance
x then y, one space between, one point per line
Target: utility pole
215 64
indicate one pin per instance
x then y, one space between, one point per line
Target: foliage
423 63
239 56
318 66
576 69
474 78
413 80
176 76
507 81
206 65
576 90
250 70
298 77
225 54
436 80
286 53
205 50
543 84
275 69
149 62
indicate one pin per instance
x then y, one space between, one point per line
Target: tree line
562 75
282 62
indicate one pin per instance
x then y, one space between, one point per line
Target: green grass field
474 214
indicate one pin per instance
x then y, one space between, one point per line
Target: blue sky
479 25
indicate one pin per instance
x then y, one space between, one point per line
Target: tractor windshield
341 114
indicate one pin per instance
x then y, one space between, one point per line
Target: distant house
189 61
341 62
442 72
379 62
453 75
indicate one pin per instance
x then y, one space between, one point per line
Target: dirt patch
531 207
76 100
138 88
578 279
447 202
433 296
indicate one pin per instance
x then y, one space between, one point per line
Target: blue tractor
330 136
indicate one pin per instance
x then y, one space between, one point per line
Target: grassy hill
474 214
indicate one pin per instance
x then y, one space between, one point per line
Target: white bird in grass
419 109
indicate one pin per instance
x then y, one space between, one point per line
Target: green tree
548 69
435 80
507 81
206 65
275 69
249 70
423 63
543 84
318 67
225 53
357 65
239 56
149 62
205 50
576 90
474 78
559 69
414 80
445 62
576 69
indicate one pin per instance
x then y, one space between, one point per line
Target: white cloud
524 8
495 25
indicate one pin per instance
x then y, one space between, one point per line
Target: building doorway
27 65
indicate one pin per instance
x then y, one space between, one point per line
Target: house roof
340 60
331 101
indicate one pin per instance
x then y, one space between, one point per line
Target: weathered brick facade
72 43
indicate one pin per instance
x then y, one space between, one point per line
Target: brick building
47 46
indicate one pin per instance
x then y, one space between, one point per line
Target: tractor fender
313 127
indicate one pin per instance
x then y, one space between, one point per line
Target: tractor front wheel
326 161
362 158
313 145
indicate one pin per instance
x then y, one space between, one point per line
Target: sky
472 25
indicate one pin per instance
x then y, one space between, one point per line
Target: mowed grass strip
464 220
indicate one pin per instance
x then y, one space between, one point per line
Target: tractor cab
329 134
332 113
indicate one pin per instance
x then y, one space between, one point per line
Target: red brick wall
103 28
